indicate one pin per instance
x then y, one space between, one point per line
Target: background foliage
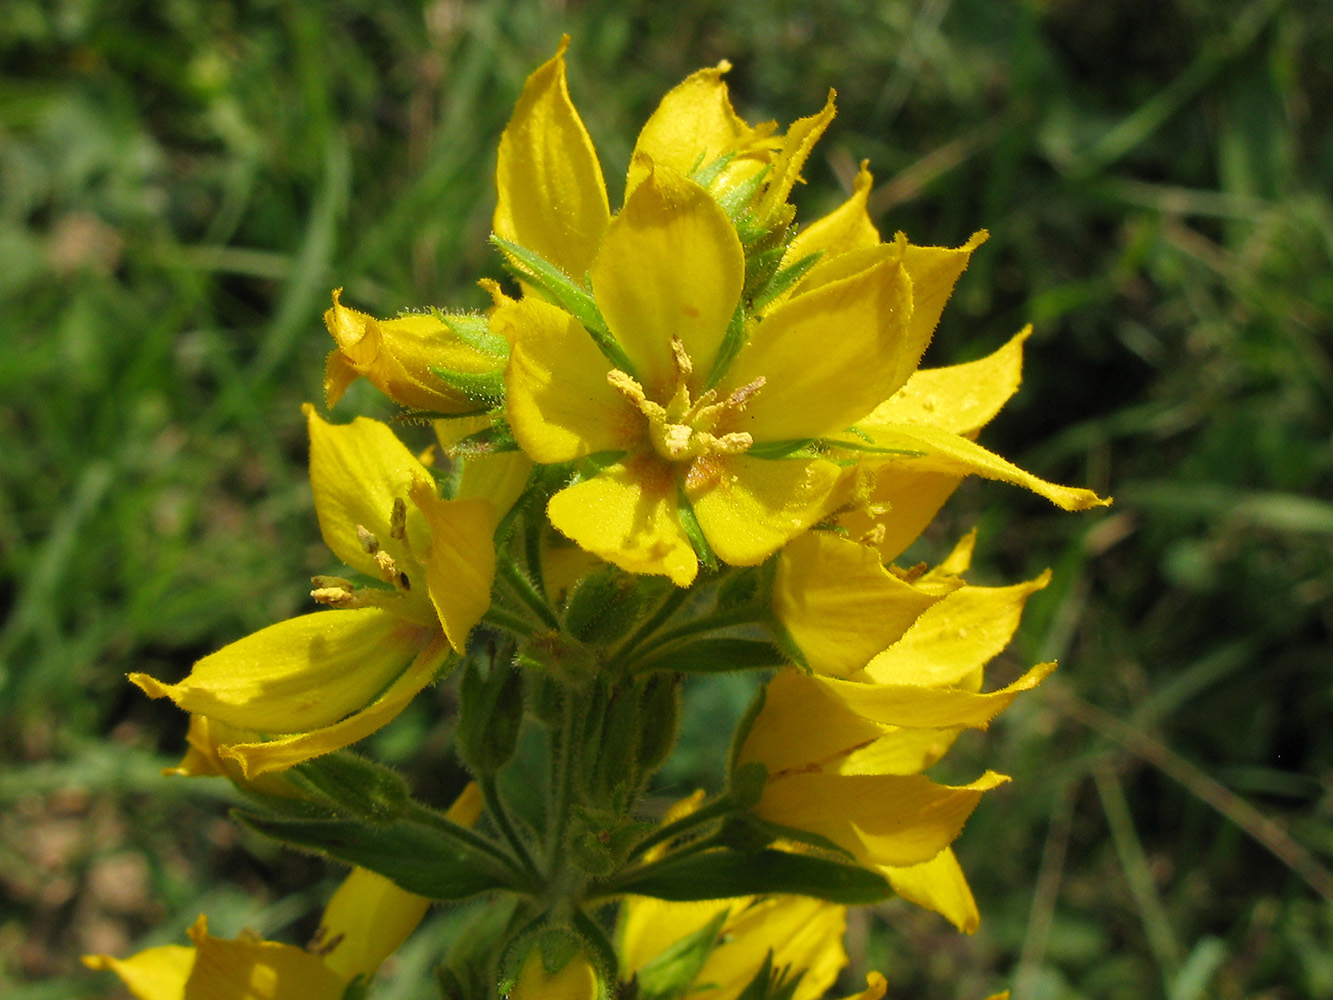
182 182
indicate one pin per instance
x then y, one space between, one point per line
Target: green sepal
490 713
789 646
771 984
732 342
475 331
487 441
793 448
694 533
469 969
414 856
784 280
726 874
486 388
669 974
353 786
562 291
735 201
715 656
660 720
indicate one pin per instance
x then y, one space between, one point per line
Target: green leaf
725 874
419 858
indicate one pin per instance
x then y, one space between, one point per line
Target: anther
369 543
398 519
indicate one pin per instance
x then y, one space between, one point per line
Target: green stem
500 816
663 613
496 615
618 883
713 623
564 760
719 807
523 589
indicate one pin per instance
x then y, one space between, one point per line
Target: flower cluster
693 438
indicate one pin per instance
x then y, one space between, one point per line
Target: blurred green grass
182 183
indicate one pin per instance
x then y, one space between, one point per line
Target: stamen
625 384
369 543
398 519
684 366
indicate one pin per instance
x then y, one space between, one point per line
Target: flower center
683 429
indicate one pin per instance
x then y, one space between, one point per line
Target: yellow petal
753 506
939 885
275 755
941 451
576 981
671 266
500 477
898 751
628 515
252 969
930 707
796 145
876 986
154 974
960 398
365 922
839 604
847 227
934 270
801 724
299 674
552 198
912 497
206 737
956 637
560 405
694 125
828 357
357 471
460 563
803 934
881 819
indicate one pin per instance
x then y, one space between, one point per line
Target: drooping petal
275 755
802 724
839 604
934 271
357 471
694 125
910 499
253 969
671 266
939 450
957 637
203 758
551 196
898 751
365 921
940 885
628 515
560 405
962 398
930 707
751 507
881 819
153 974
796 146
299 674
828 357
460 564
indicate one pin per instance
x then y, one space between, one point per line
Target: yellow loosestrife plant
692 438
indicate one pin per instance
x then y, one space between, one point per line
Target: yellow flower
845 750
366 920
397 356
575 980
667 279
803 934
325 680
